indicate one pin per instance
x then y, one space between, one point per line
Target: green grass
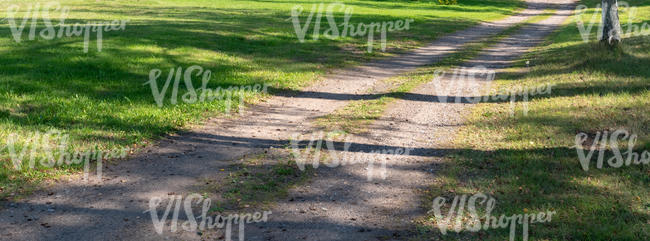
256 181
261 180
357 116
527 162
99 99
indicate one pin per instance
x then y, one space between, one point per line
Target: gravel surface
339 204
343 204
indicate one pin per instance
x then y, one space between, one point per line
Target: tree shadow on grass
485 6
593 57
594 204
237 46
540 180
537 179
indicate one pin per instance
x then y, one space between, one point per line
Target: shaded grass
256 181
528 162
99 99
261 180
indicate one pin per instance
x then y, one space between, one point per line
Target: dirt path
342 204
113 209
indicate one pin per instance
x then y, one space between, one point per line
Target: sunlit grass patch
529 161
99 98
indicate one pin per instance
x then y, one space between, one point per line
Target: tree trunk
611 27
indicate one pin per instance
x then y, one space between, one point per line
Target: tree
611 25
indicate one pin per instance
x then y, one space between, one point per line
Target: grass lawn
528 163
99 98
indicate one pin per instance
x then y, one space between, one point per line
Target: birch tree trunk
611 27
